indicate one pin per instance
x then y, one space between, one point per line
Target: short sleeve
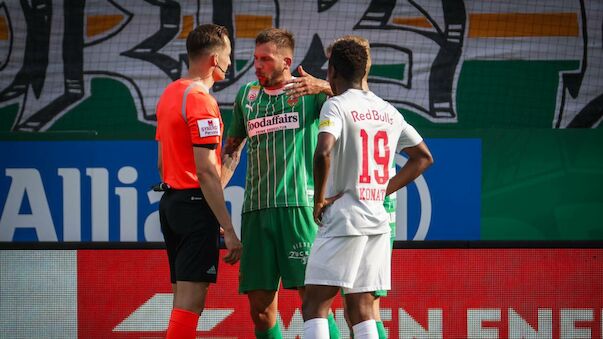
237 123
409 137
203 119
330 120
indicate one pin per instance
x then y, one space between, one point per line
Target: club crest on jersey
253 93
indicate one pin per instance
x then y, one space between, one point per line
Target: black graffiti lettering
222 15
444 66
73 64
324 5
377 14
168 30
315 58
441 77
430 60
591 113
38 15
4 12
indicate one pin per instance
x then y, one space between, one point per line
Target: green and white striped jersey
281 140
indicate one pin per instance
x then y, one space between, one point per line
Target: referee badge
253 93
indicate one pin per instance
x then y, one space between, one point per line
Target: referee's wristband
208 146
160 187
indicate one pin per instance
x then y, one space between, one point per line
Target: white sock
317 328
366 330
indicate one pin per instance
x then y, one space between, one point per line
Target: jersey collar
275 92
197 81
202 85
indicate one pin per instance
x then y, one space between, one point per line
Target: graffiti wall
52 50
515 78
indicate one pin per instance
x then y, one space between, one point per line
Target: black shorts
192 235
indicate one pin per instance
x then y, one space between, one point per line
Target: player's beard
270 80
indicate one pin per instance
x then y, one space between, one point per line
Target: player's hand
321 206
233 245
305 84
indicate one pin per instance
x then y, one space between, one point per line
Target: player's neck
365 85
286 77
343 86
196 74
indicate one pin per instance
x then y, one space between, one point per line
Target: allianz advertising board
99 191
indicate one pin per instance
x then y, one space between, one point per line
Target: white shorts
355 263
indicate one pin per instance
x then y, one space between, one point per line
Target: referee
192 209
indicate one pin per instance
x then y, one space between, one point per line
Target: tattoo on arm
231 154
234 146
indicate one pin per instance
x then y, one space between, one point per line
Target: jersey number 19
380 155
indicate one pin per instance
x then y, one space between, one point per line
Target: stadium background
501 238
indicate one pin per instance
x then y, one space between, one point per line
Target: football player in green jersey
277 226
308 84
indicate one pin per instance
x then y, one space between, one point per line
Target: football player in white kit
358 133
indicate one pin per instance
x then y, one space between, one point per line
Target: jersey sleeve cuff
208 146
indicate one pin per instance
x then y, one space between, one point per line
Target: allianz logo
424 196
71 203
39 200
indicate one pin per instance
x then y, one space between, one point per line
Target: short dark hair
349 59
205 39
280 37
359 39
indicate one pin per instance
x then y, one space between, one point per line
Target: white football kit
352 248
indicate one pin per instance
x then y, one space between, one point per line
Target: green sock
271 333
333 330
381 330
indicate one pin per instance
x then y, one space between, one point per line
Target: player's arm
209 180
322 164
306 84
419 159
237 134
231 155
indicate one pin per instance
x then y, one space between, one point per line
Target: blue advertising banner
96 191
444 203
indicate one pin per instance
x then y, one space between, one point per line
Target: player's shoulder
342 98
318 97
375 99
200 94
183 89
333 103
174 88
385 105
249 91
250 85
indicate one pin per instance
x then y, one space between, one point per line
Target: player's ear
333 72
288 61
213 59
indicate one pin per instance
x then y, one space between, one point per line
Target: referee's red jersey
187 116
